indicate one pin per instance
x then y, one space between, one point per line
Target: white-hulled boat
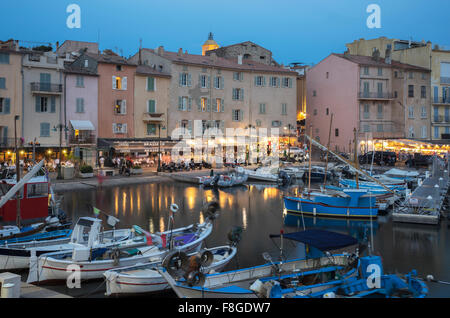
86 232
145 278
267 174
94 262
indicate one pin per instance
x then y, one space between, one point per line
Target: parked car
379 158
295 154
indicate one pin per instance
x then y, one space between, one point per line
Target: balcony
82 139
375 95
6 142
46 88
153 117
441 101
441 119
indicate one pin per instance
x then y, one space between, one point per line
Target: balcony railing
442 100
82 139
46 87
6 142
441 119
375 95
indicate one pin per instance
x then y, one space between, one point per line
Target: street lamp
159 145
16 118
60 127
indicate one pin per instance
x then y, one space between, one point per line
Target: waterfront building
379 97
224 93
424 54
10 97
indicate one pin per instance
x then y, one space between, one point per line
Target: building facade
380 98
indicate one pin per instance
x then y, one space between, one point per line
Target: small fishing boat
349 183
317 174
144 278
93 262
356 204
246 282
267 174
370 282
86 232
225 180
50 235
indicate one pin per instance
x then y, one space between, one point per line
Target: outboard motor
285 178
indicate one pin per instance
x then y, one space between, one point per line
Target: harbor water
258 209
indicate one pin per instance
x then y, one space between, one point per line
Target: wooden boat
243 283
356 204
93 262
86 232
50 235
144 278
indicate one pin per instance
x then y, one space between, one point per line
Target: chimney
240 59
185 52
160 50
375 54
387 55
180 51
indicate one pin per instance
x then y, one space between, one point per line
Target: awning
82 125
320 239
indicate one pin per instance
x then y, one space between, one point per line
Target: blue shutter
242 94
7 106
2 83
180 79
436 94
38 104
208 105
52 104
5 135
189 107
222 106
180 103
189 79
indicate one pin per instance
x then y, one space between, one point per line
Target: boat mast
328 147
17 173
310 155
356 158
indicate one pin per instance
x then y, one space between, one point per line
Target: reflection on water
258 209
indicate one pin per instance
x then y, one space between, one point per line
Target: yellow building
210 44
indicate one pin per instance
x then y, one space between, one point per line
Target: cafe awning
82 125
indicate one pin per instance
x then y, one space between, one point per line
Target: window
423 92
395 94
366 113
184 103
327 111
366 89
4 58
380 71
237 115
366 70
238 93
284 109
118 67
119 128
380 128
119 82
314 93
185 79
151 129
258 123
203 81
411 74
2 83
424 76
410 90
336 132
45 129
262 108
80 105
380 89
274 81
86 63
395 74
380 111
80 81
276 123
218 82
203 104
150 84
327 74
287 82
260 81
37 190
423 112
411 111
151 106
219 106
43 104
238 76
315 112
4 105
424 131
120 107
436 132
366 128
411 132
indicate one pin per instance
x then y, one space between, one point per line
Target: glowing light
49 151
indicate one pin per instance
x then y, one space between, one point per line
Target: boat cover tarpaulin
320 239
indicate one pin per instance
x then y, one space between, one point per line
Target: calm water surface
258 209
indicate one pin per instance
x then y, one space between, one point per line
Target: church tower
210 44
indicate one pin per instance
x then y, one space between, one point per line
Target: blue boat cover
320 239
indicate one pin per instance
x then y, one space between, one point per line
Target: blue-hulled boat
357 204
319 266
57 234
370 282
349 183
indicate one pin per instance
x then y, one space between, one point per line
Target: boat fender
329 295
115 255
195 279
174 262
235 235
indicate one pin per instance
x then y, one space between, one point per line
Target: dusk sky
294 30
